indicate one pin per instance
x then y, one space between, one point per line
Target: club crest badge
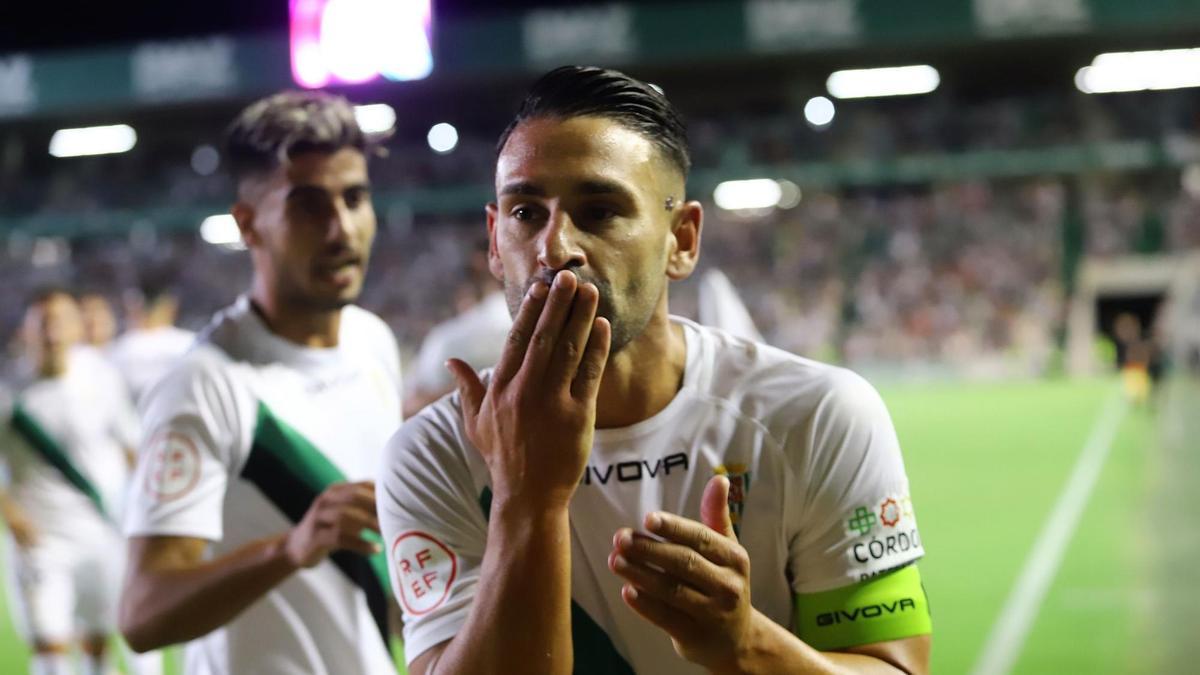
739 486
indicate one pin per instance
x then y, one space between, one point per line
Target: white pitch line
1007 638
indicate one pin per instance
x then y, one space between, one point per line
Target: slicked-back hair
271 130
588 91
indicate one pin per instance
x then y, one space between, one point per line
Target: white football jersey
475 336
818 495
63 442
241 436
144 356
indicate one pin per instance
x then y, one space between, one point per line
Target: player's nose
558 245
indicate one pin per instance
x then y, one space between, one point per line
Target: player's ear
684 240
243 214
495 266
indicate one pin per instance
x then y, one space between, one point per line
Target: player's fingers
718 549
714 507
544 340
662 586
676 560
355 520
339 494
470 388
676 623
591 367
354 542
574 337
513 354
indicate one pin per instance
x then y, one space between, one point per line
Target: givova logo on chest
633 471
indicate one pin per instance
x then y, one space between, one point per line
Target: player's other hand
695 585
335 521
533 421
22 529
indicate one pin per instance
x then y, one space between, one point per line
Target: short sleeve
854 512
198 423
434 525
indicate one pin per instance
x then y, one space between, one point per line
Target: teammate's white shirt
87 413
68 579
813 460
475 336
213 430
144 356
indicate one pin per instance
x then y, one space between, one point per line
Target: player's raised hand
335 521
695 585
533 421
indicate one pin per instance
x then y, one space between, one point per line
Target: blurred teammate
99 322
252 527
783 537
151 343
475 336
65 443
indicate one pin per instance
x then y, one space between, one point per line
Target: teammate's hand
695 585
534 420
335 521
22 529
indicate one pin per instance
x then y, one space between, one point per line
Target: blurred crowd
965 276
968 276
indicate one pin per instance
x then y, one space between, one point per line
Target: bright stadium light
873 82
1140 71
819 111
443 137
205 160
355 41
375 118
107 140
222 230
756 193
789 195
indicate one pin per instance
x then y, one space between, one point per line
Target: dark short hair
45 292
585 91
273 129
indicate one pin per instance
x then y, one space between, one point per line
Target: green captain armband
890 606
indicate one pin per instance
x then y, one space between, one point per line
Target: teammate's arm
11 514
172 594
694 583
551 367
18 523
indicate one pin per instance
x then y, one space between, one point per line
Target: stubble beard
626 325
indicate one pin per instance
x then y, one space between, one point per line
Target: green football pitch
989 465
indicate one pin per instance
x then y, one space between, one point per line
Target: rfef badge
739 485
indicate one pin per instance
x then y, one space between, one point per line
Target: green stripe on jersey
594 650
27 428
291 473
890 606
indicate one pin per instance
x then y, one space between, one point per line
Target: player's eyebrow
603 187
523 187
309 189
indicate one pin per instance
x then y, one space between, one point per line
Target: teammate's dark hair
584 91
273 129
45 292
154 285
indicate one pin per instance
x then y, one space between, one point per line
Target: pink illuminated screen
353 41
